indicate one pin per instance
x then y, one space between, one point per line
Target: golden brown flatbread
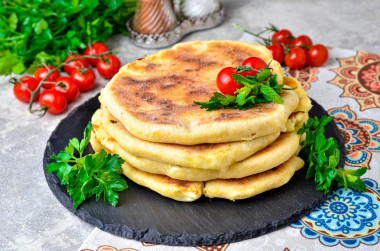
154 97
274 154
237 189
231 189
216 156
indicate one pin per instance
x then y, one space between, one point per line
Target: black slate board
147 216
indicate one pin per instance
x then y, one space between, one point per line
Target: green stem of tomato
34 93
265 41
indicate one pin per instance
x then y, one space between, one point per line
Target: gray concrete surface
31 218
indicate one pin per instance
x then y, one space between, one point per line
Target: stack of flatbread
172 146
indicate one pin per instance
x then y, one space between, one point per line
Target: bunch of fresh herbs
44 31
323 156
93 174
261 88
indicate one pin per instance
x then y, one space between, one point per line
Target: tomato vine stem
34 93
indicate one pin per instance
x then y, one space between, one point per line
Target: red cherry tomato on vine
283 36
41 73
303 42
81 63
95 49
85 80
21 92
278 52
108 66
296 59
68 88
226 84
255 63
54 101
317 55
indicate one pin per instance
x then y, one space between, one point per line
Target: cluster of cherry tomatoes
296 52
61 90
225 82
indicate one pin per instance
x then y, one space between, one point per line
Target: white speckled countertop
31 218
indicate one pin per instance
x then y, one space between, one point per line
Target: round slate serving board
147 216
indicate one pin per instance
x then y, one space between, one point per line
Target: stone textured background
32 219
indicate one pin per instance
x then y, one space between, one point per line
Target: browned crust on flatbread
172 93
154 97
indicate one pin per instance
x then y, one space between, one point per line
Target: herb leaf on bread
261 88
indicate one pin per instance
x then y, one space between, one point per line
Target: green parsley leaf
86 137
8 60
243 93
40 26
263 74
271 95
19 67
243 81
217 101
323 157
86 176
12 21
358 172
43 58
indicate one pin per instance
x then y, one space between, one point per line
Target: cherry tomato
109 66
277 52
21 92
41 73
54 100
85 80
317 55
81 63
255 63
283 36
225 82
303 42
296 59
69 89
94 49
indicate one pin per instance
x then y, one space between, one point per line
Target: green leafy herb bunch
32 31
259 88
92 174
323 156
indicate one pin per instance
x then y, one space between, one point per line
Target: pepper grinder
153 17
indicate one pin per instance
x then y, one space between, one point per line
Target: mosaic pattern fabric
346 218
359 77
306 76
361 136
348 87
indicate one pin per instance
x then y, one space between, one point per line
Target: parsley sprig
323 157
93 174
33 32
261 88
